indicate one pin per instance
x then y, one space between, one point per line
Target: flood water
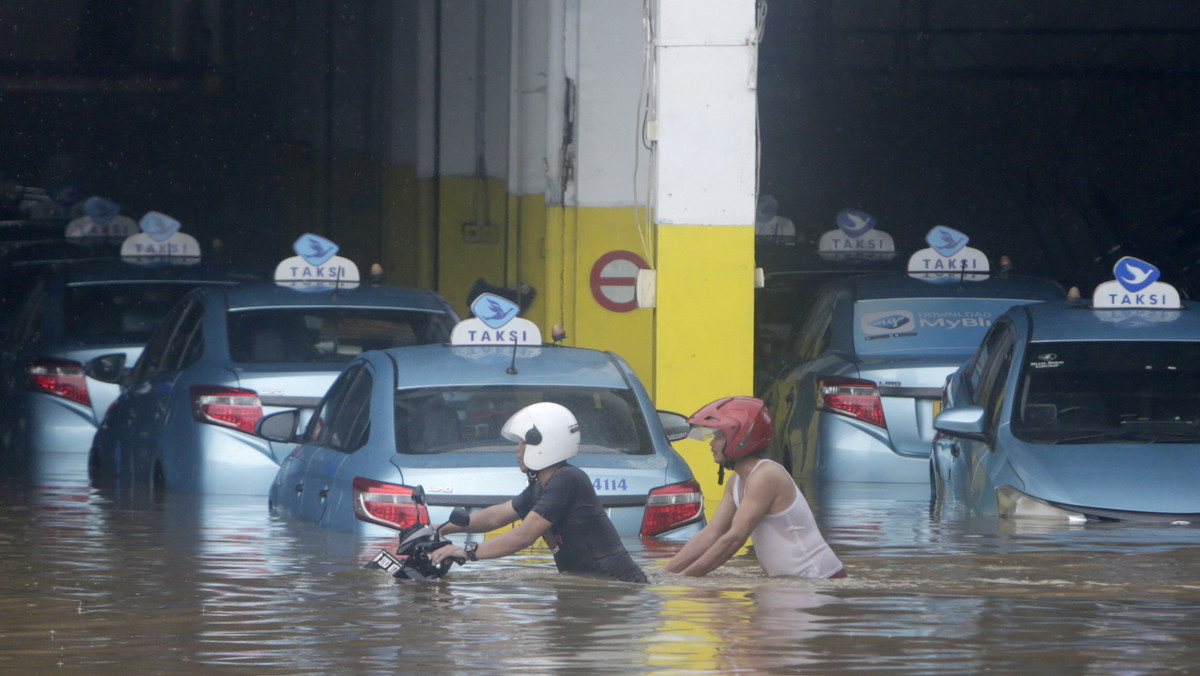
100 583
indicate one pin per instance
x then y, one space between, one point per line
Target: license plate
386 562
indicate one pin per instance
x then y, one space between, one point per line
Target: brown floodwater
99 583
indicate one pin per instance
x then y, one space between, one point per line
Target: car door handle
324 493
299 488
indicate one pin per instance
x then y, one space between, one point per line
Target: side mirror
675 425
279 426
107 368
962 421
459 516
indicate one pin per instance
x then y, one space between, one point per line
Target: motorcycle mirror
460 516
418 495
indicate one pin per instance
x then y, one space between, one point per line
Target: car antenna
512 367
337 281
962 276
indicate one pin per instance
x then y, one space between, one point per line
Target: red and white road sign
614 280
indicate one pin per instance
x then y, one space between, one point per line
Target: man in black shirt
559 505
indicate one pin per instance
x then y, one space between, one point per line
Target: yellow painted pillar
705 165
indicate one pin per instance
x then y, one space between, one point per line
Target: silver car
863 374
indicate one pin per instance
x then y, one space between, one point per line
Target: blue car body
226 357
71 313
430 416
855 399
1075 413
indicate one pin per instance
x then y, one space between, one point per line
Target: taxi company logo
946 241
494 311
855 223
1135 274
891 322
314 249
881 323
158 226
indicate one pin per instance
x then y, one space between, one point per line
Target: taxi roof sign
316 266
948 258
160 241
495 323
1135 286
856 239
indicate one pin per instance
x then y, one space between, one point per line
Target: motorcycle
411 560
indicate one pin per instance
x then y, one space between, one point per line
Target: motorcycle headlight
1011 502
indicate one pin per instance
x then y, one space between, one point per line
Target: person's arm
702 541
510 542
760 495
486 520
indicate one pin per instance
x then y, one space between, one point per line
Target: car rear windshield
96 313
924 325
469 419
1110 392
327 335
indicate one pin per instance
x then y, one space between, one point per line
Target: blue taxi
69 313
863 372
1078 411
431 415
225 357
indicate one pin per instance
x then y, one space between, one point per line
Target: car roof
442 365
1066 321
902 285
269 294
84 271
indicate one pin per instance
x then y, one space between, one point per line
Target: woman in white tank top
761 502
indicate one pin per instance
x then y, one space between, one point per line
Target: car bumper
223 461
851 450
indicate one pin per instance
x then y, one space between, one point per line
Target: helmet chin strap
728 464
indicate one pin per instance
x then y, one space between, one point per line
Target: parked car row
333 397
1004 394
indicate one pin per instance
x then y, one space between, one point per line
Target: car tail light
60 377
851 397
672 506
390 505
226 406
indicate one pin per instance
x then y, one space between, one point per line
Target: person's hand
447 552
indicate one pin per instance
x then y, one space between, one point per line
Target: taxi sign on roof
948 258
856 239
495 323
316 266
1135 287
160 241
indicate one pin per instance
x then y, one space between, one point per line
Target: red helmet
743 421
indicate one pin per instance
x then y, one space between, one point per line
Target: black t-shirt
583 538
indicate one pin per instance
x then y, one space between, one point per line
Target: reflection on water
96 583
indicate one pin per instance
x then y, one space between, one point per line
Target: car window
1109 392
994 381
118 312
469 419
326 335
978 363
342 419
187 343
923 325
29 322
813 335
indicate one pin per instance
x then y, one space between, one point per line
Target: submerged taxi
430 416
1079 411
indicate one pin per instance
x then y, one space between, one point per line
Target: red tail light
387 504
226 406
60 377
669 507
851 397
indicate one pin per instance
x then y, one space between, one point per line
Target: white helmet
550 433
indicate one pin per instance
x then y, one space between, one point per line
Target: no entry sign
614 280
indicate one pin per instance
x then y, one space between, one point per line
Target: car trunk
910 393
